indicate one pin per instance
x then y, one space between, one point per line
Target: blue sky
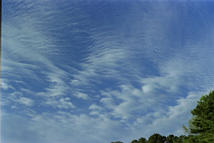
100 71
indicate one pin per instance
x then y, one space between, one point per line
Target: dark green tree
134 141
156 138
180 139
201 125
142 140
203 115
170 139
174 139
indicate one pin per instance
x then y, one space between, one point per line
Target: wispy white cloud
95 110
168 121
100 63
27 52
61 126
5 85
81 95
26 101
61 103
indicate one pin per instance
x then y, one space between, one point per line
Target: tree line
200 130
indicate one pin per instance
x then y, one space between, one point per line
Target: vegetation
201 126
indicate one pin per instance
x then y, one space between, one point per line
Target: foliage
203 115
142 140
156 138
202 124
134 141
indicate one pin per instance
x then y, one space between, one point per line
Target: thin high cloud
99 74
26 56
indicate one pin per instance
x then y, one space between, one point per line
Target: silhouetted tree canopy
117 142
203 115
202 123
134 141
156 138
142 140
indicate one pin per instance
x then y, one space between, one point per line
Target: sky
76 71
